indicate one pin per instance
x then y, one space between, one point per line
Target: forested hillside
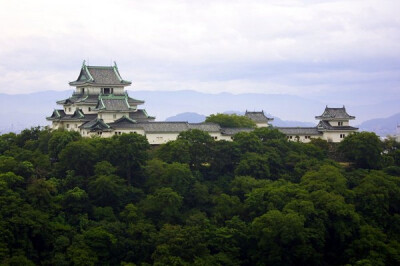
259 200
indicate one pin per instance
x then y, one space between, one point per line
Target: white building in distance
100 106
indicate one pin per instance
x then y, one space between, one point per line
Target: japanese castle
100 106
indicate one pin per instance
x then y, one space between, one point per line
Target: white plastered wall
334 136
109 117
301 138
160 138
264 124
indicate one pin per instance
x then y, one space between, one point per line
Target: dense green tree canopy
256 200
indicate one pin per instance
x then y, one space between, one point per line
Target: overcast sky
340 50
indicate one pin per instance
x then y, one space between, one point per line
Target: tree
78 156
255 165
129 154
266 133
373 248
327 178
199 143
231 120
248 142
174 151
377 198
363 148
163 205
75 201
59 140
281 239
106 189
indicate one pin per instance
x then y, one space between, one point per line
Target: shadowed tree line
258 200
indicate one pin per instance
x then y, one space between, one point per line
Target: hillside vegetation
258 200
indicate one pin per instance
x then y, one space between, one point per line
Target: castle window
342 136
83 90
114 116
76 125
67 125
215 137
69 109
340 123
89 109
108 90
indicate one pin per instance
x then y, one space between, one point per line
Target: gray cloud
326 49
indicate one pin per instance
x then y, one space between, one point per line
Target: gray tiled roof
325 125
116 105
152 127
113 103
80 98
208 127
57 114
299 130
104 75
165 127
96 123
124 122
258 117
232 131
134 101
334 113
77 115
141 116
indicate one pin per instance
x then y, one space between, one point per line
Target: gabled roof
103 75
80 98
96 125
114 103
141 116
78 115
123 122
57 114
258 117
326 126
335 113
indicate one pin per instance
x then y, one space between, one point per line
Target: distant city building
100 106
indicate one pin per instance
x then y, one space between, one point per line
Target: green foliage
256 200
364 149
255 165
231 120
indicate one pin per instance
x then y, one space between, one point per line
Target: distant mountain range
198 118
382 126
25 110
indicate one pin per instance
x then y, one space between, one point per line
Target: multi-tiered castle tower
99 100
